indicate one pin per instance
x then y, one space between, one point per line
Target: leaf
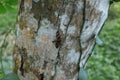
2 8
1 75
11 76
11 2
9 7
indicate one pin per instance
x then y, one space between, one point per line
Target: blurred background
102 65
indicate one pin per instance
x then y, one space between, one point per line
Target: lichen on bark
55 37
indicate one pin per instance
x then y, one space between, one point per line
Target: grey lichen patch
46 34
79 6
32 22
64 19
28 25
46 49
72 56
27 21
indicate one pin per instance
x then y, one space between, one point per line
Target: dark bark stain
23 54
45 63
20 59
16 51
21 67
36 9
21 7
42 76
46 9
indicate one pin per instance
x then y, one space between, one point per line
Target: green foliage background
8 13
102 65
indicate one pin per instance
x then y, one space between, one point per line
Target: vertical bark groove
84 12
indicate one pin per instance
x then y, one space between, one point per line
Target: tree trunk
55 37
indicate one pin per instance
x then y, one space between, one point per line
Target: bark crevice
81 28
59 33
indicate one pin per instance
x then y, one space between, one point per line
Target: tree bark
55 37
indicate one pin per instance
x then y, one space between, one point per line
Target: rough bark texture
55 37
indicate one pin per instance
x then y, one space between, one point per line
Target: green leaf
9 7
1 75
11 76
11 2
2 8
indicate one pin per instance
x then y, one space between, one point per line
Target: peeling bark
55 37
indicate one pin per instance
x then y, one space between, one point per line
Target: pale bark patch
64 21
80 5
75 56
71 29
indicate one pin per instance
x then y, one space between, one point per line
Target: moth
58 39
